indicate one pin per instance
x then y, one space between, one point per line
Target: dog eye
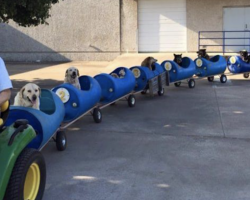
36 90
29 91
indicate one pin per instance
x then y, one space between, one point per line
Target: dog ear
181 55
78 72
66 73
22 91
174 54
40 91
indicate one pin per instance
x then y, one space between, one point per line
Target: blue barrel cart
178 73
115 86
22 136
152 80
236 65
46 121
79 103
210 68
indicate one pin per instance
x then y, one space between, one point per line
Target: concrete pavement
189 144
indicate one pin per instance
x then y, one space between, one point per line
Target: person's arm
5 83
5 96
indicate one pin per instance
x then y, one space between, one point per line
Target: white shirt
5 82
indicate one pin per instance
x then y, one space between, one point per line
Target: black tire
15 188
246 75
97 115
131 100
210 78
161 92
61 141
191 83
177 84
223 78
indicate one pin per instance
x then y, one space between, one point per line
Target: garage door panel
162 25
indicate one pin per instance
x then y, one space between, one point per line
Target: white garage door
162 25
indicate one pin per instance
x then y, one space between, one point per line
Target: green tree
26 12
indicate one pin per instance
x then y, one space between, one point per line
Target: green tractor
22 169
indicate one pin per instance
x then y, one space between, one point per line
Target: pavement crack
218 106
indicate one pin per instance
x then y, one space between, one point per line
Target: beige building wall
78 30
129 27
207 15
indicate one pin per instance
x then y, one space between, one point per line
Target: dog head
178 58
122 73
149 62
244 54
72 73
202 53
31 93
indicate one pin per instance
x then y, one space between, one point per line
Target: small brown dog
149 62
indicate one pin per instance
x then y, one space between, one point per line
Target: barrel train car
212 67
179 73
236 65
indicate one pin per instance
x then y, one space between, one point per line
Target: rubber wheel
177 84
210 79
246 75
191 83
223 78
28 177
131 101
61 141
97 115
161 92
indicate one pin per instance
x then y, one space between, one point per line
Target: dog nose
34 97
74 73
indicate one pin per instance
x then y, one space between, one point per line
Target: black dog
178 59
244 55
202 53
149 62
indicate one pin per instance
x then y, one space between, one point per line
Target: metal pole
199 41
223 43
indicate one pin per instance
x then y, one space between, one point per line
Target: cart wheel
28 177
246 75
161 92
191 83
210 78
177 84
131 100
97 115
223 78
61 141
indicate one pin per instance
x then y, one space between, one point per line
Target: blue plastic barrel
177 72
115 87
216 65
44 121
237 65
144 74
78 102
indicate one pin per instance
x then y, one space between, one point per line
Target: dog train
43 114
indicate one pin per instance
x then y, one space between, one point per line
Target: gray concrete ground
191 144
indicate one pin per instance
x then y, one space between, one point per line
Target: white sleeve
5 82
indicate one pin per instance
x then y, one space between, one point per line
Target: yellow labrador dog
28 96
71 77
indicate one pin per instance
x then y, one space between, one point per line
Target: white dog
28 96
71 76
